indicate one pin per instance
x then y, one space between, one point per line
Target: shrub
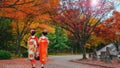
5 54
25 54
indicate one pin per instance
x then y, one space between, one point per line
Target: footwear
42 67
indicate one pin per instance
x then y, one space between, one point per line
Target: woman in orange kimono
43 46
32 47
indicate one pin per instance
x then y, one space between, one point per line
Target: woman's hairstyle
45 32
32 32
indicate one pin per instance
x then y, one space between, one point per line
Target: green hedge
25 54
5 54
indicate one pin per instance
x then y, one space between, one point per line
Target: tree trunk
19 50
83 48
84 53
18 47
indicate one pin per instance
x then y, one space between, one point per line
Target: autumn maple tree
80 18
23 14
110 29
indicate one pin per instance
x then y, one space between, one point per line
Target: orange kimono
43 46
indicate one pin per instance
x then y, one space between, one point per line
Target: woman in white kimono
32 47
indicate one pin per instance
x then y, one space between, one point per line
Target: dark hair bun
32 31
45 32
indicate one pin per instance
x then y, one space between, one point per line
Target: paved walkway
53 62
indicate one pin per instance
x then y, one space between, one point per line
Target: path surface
53 62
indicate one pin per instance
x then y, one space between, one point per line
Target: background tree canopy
5 35
73 25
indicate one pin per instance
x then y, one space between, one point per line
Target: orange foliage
54 3
109 27
44 26
44 16
21 8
